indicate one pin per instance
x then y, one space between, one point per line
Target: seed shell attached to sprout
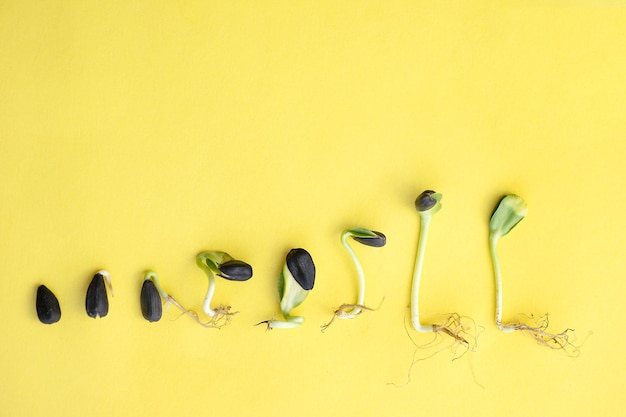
224 266
294 284
461 329
365 237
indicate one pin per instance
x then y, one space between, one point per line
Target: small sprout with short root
369 238
294 283
148 303
223 265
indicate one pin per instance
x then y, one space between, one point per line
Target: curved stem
361 275
417 272
493 241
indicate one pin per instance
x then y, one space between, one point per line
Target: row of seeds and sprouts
297 279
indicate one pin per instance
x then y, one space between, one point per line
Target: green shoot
510 211
223 265
461 329
369 238
294 283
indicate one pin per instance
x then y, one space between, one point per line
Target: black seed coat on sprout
150 300
302 268
235 270
379 241
48 309
97 302
424 201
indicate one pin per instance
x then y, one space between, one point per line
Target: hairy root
222 317
456 333
463 331
346 311
349 311
564 341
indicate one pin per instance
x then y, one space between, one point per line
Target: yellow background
135 134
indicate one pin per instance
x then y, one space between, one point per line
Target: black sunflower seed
97 302
302 268
235 270
150 300
48 309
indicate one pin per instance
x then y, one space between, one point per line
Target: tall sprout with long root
461 330
510 211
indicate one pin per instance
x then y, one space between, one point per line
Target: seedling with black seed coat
294 283
461 329
151 309
368 238
225 266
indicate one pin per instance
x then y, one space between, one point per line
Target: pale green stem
206 305
361 275
493 241
417 273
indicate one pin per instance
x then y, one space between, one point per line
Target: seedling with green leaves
368 238
510 211
294 283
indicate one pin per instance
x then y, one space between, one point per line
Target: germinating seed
48 309
150 301
97 302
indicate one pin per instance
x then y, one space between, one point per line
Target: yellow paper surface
135 134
